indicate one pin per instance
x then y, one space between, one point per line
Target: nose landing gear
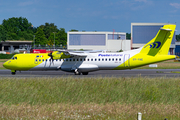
13 72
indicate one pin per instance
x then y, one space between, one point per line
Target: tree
178 37
61 37
40 38
128 36
51 39
73 30
49 28
16 26
3 33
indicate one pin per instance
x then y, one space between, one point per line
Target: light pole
34 41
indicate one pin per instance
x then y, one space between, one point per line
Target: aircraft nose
6 64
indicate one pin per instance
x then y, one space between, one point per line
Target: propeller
51 59
57 55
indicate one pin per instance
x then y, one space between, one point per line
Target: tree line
21 29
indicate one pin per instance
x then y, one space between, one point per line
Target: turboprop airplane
156 50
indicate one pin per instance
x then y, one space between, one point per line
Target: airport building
109 41
10 45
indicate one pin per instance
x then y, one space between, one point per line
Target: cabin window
87 59
102 59
95 59
119 59
106 59
113 59
12 58
81 59
99 59
77 59
91 59
56 59
116 59
43 60
46 60
70 59
49 59
39 60
15 58
59 59
84 59
109 59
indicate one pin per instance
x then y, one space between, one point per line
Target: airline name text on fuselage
109 55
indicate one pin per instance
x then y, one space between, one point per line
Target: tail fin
160 44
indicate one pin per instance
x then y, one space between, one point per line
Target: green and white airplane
156 50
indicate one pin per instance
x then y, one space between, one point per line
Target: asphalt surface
101 73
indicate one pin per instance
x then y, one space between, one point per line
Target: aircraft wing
74 53
61 54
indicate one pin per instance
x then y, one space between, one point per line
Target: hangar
109 41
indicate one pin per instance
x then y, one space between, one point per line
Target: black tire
13 73
77 73
85 73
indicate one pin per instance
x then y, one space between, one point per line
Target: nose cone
6 65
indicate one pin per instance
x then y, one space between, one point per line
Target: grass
3 60
1 63
90 98
1 66
170 64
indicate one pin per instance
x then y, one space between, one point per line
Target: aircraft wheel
13 72
85 73
76 72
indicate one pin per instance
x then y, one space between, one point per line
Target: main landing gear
85 73
13 72
77 72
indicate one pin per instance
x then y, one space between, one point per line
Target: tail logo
154 45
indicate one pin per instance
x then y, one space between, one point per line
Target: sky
93 15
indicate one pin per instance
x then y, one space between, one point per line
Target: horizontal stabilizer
165 29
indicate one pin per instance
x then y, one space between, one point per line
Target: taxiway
101 73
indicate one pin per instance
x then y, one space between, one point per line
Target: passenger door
126 60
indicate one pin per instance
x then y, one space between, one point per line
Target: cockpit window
14 58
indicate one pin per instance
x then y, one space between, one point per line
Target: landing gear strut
76 72
13 72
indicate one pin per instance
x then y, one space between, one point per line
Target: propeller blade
51 59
